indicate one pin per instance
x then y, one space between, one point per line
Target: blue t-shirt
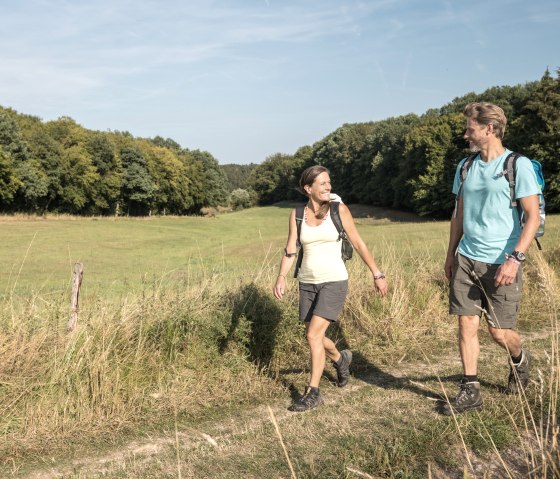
490 224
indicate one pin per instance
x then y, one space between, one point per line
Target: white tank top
322 261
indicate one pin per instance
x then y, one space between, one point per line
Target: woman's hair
487 114
307 178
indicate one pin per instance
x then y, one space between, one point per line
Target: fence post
76 283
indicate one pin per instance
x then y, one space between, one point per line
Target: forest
405 162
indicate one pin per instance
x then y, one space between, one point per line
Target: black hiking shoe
309 400
469 398
519 374
343 367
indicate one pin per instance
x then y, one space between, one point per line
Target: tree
240 199
138 187
536 133
274 179
434 148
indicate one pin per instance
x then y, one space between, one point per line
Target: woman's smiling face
320 190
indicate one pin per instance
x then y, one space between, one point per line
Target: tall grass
194 349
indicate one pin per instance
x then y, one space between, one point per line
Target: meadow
183 364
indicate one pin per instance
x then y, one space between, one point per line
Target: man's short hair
485 113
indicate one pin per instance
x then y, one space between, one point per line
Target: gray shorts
473 292
324 299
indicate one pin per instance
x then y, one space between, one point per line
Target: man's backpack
508 172
347 249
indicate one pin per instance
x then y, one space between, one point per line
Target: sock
313 390
470 379
339 362
517 359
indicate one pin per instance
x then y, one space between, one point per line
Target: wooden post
76 283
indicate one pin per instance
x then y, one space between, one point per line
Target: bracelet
283 275
378 276
288 255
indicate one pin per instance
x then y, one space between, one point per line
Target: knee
498 335
468 326
313 337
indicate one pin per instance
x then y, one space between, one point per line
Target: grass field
181 350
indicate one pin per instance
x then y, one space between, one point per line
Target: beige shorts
472 293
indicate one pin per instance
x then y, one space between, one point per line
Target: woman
323 279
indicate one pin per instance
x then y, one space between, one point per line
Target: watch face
519 256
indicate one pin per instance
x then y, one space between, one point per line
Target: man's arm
507 272
455 235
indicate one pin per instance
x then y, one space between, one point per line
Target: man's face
476 134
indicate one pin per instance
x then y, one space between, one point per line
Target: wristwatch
517 255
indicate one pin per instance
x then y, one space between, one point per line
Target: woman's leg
330 349
315 333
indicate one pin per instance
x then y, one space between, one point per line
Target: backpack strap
509 172
337 220
300 209
462 177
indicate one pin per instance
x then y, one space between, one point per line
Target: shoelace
463 393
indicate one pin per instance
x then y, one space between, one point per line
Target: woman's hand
279 287
381 286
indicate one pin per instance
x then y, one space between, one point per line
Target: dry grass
175 360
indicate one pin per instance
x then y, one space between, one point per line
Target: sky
250 78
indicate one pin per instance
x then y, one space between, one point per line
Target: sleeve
525 179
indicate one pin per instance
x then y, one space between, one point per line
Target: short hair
485 113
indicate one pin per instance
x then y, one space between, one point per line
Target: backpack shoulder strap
300 209
465 167
509 172
335 216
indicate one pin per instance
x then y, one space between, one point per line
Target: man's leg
469 346
469 389
508 339
520 359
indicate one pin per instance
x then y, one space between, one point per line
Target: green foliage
409 162
237 175
60 166
239 199
275 178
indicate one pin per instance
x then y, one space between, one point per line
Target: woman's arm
361 248
288 258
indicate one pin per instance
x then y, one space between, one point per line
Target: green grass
178 327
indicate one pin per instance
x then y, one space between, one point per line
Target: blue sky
246 79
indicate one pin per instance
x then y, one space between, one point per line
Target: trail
221 436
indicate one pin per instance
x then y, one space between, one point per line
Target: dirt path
226 433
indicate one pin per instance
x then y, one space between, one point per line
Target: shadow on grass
260 310
368 372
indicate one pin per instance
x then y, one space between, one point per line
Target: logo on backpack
509 168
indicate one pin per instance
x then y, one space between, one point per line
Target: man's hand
506 273
448 268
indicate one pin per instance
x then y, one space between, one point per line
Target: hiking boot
519 374
309 400
468 398
343 367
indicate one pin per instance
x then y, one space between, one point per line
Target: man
487 249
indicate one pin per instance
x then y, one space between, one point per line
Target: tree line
59 166
408 162
405 162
